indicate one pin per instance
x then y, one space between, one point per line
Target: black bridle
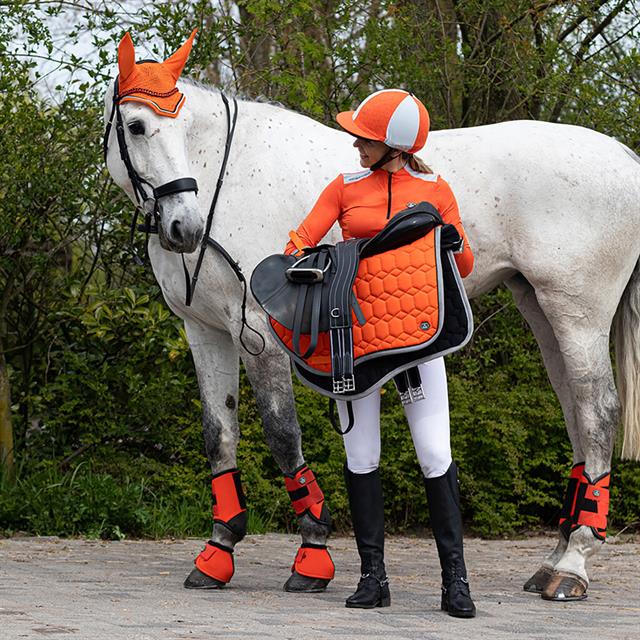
150 204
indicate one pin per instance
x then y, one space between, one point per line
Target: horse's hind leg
583 338
217 366
527 303
270 377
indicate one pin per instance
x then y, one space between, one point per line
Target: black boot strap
455 581
380 581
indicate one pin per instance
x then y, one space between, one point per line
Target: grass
80 502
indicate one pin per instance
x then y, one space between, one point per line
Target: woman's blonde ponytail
417 164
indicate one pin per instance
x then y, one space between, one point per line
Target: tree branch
579 58
579 20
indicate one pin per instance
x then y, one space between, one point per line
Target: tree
87 349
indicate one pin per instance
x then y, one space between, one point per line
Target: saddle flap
279 296
271 288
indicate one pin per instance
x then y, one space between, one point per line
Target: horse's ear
175 62
126 57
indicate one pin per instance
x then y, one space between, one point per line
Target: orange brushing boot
214 564
313 567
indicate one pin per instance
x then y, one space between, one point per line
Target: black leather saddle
315 294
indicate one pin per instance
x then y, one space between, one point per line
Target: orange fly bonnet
152 83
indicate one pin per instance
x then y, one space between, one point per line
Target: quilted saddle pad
415 309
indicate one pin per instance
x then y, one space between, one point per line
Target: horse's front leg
217 367
270 377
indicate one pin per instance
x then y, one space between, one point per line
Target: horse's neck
278 164
286 152
208 132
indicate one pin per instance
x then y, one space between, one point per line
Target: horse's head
145 144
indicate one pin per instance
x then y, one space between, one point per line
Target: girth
313 303
340 323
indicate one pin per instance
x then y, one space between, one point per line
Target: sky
54 74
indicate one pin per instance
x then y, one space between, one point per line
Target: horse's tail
626 334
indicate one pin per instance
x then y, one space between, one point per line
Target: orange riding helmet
392 116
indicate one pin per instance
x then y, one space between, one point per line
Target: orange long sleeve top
363 202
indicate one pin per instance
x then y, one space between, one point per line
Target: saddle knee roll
229 510
592 504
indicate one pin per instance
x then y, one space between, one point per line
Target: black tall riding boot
367 513
446 521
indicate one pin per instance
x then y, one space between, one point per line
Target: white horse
550 210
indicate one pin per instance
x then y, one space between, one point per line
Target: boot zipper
389 198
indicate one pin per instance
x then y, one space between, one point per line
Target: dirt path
133 590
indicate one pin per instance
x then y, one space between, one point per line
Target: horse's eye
136 127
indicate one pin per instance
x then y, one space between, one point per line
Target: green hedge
118 448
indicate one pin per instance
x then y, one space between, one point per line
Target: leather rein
149 205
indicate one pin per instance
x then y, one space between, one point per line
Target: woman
390 126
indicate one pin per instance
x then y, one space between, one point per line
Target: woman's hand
451 239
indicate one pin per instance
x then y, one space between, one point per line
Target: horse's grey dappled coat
550 210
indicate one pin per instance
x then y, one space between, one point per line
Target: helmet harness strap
387 157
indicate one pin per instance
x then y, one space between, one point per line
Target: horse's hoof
565 587
539 580
198 580
298 583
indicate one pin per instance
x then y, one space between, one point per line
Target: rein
150 206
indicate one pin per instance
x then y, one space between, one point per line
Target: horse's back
542 199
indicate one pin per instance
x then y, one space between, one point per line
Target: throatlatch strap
216 561
568 509
304 491
228 497
592 504
314 561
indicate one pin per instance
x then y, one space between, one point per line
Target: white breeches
428 421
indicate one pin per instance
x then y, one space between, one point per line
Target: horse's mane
630 151
238 94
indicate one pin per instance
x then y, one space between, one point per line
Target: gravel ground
132 590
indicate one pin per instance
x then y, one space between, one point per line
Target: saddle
355 314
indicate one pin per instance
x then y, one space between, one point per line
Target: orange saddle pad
398 300
398 294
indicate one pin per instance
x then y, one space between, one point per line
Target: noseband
149 204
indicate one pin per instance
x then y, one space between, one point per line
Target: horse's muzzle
180 237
